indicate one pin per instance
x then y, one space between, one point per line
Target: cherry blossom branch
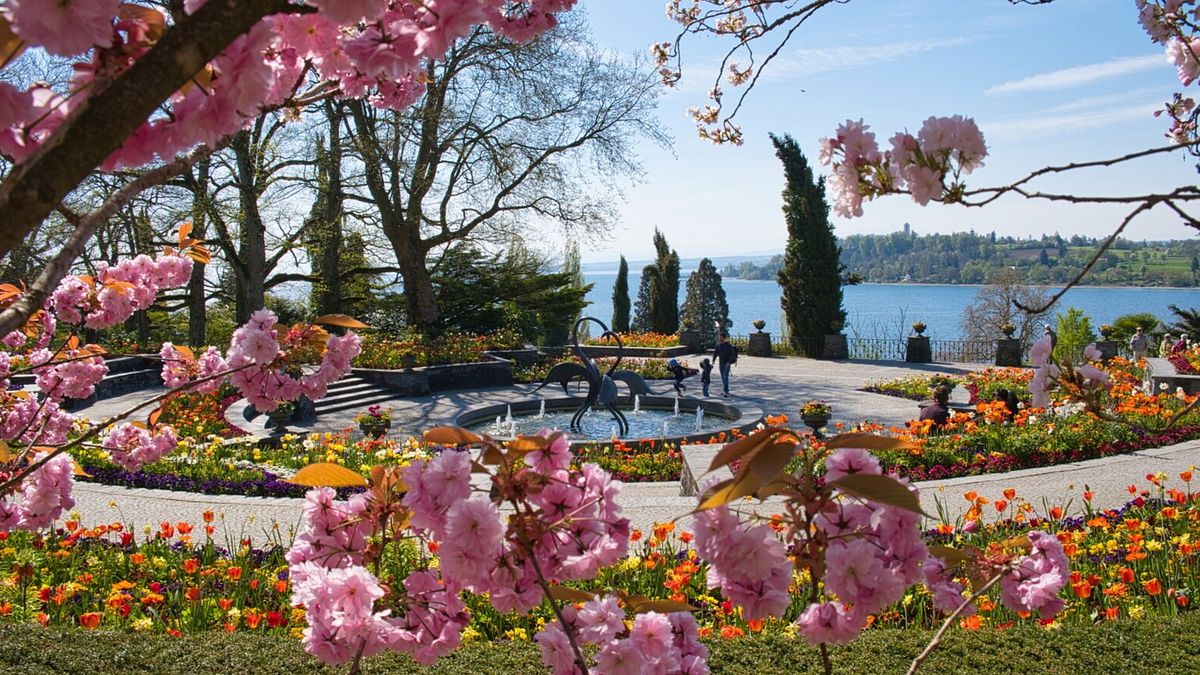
100 124
1112 238
15 480
937 638
16 314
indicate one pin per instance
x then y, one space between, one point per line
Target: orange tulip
234 573
1010 494
1000 505
1127 575
192 593
191 565
1153 587
972 622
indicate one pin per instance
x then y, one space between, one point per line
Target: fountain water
637 403
508 418
666 430
541 408
498 427
677 406
699 419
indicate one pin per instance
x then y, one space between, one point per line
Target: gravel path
778 385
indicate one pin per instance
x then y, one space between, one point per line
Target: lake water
887 310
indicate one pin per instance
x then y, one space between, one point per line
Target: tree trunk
328 214
250 281
197 308
419 297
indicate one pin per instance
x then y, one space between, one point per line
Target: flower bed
650 369
980 386
1126 563
648 339
635 461
415 350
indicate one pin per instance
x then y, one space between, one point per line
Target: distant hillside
969 258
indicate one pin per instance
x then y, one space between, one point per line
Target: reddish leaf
639 605
451 436
952 556
742 447
564 594
185 230
867 441
327 474
882 489
340 320
11 46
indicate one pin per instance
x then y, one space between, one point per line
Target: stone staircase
353 393
125 374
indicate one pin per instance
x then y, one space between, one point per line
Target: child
705 374
679 372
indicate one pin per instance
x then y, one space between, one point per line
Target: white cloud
1056 123
812 61
1079 75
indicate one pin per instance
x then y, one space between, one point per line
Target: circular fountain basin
598 426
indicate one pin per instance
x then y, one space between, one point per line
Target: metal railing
882 349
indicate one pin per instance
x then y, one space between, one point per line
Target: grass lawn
1147 646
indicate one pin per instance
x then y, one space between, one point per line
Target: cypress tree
620 299
664 287
642 308
705 305
811 275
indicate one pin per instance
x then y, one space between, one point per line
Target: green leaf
882 489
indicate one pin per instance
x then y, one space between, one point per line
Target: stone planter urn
376 429
835 347
760 344
918 350
1108 349
691 338
816 423
277 419
1008 352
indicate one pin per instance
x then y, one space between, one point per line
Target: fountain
508 418
677 406
637 403
658 417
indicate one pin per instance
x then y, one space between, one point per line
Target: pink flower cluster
131 446
947 593
363 48
45 495
945 147
1173 22
1039 386
573 525
70 376
335 532
180 369
749 565
264 374
1036 579
339 593
33 422
655 643
117 292
873 553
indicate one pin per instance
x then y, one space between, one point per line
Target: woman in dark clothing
939 410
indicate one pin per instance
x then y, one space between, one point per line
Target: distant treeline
970 258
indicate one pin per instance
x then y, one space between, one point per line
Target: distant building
907 231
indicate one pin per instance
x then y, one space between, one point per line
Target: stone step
353 400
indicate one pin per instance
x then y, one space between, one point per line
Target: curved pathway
777 385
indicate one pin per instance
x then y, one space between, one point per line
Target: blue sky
1075 80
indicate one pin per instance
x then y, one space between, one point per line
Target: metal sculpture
602 387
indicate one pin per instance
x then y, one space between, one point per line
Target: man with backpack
725 355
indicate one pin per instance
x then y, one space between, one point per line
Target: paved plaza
777 385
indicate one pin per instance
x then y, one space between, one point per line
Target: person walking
1139 344
725 355
705 375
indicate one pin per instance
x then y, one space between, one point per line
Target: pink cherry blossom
828 623
1036 579
64 27
846 461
